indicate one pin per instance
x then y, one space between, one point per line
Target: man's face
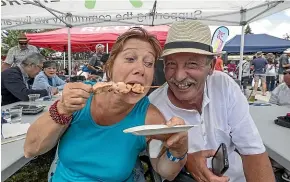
100 49
34 70
186 74
22 45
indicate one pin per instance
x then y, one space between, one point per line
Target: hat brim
287 52
167 52
22 40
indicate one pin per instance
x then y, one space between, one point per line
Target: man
284 64
245 73
16 54
281 94
212 100
16 85
95 63
260 64
219 65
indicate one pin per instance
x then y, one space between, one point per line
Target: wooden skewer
152 86
163 150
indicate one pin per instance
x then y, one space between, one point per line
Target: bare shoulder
154 116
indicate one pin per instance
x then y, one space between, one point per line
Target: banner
219 38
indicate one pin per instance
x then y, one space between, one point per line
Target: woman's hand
74 97
178 142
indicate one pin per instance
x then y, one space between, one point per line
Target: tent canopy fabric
29 14
85 39
257 42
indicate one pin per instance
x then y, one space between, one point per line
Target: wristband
174 159
58 118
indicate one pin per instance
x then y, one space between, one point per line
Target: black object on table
283 121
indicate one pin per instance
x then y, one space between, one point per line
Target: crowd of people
88 128
266 70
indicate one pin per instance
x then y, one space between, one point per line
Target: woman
89 128
47 79
270 72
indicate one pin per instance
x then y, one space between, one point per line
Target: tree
248 30
287 36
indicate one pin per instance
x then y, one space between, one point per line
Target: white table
12 154
276 138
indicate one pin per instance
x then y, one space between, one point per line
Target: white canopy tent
41 14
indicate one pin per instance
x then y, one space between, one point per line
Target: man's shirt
16 55
225 118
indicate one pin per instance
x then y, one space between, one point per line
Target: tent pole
107 48
69 46
241 52
63 60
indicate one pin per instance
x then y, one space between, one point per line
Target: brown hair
136 33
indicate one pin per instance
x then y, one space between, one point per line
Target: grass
36 170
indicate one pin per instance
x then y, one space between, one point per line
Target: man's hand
197 166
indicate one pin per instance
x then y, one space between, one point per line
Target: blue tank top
89 152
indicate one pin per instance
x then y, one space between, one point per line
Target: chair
77 79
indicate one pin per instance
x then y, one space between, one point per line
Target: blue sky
276 25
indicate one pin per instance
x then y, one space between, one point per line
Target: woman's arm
44 133
166 168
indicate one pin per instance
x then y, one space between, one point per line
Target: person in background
95 64
259 65
17 54
281 94
47 79
213 101
219 64
246 72
284 64
270 72
232 68
15 84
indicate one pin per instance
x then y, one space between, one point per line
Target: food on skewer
138 88
102 87
119 87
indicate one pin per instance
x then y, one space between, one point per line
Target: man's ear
212 64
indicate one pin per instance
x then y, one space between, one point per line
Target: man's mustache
185 81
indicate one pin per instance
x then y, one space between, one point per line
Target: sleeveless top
89 152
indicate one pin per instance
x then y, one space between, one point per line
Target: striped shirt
15 55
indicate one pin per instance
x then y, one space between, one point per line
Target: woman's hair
47 64
132 33
33 59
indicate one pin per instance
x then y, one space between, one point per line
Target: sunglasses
22 43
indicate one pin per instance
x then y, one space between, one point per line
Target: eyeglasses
40 67
285 73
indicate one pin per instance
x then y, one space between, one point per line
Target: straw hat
188 36
22 38
287 51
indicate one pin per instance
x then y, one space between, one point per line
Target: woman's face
50 71
134 64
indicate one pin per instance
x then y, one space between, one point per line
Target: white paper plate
146 130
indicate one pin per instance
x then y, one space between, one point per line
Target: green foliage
248 30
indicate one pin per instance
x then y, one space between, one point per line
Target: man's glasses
285 73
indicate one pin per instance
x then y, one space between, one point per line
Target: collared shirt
281 95
225 118
16 55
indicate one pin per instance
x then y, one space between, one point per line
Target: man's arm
257 168
274 99
14 83
246 138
